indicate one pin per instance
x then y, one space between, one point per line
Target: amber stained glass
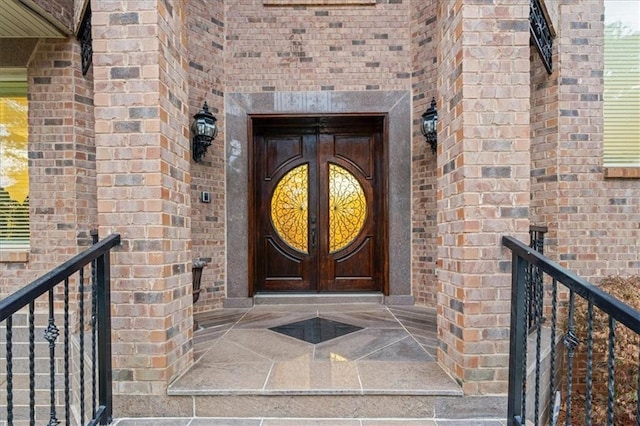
347 208
290 208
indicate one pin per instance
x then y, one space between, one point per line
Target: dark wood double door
319 204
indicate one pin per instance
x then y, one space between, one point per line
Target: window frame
14 84
621 157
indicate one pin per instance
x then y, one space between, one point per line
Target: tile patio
382 374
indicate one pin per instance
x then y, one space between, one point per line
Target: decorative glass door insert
290 210
347 208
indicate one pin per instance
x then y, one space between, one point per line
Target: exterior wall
544 156
592 219
425 69
206 83
483 182
298 53
143 159
62 198
600 235
508 132
317 48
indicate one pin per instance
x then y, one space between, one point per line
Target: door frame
402 136
381 164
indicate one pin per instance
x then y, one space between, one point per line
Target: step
327 406
316 299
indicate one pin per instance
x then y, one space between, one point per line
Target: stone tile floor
237 354
393 352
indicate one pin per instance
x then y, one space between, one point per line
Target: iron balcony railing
83 306
535 287
522 396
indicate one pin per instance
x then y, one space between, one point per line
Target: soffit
20 19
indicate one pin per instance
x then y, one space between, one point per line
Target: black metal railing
614 310
66 290
535 289
541 36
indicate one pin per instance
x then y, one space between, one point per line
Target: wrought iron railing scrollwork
70 361
535 290
86 40
541 34
594 298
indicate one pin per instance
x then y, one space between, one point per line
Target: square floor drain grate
316 330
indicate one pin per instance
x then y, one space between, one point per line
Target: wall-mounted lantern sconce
204 130
429 125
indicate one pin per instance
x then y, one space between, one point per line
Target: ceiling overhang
24 19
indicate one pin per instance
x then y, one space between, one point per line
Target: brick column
483 182
143 188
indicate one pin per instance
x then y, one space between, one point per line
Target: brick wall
143 156
317 48
62 193
450 120
597 220
60 10
175 163
61 163
508 132
206 83
425 68
483 182
544 139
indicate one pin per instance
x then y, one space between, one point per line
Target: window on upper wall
622 83
14 170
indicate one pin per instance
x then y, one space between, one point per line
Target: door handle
313 237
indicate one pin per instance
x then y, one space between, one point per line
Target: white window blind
622 84
14 172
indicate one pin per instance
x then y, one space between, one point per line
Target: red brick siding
598 218
61 10
62 198
317 48
143 156
206 83
544 140
425 68
483 183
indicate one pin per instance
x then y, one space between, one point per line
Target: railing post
105 374
518 332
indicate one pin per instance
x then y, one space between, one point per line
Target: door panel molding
273 165
362 144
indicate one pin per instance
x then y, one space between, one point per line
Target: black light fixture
429 125
204 130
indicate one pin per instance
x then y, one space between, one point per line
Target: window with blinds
622 83
14 173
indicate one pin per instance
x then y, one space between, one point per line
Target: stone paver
211 421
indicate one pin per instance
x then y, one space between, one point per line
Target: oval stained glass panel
290 208
347 208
